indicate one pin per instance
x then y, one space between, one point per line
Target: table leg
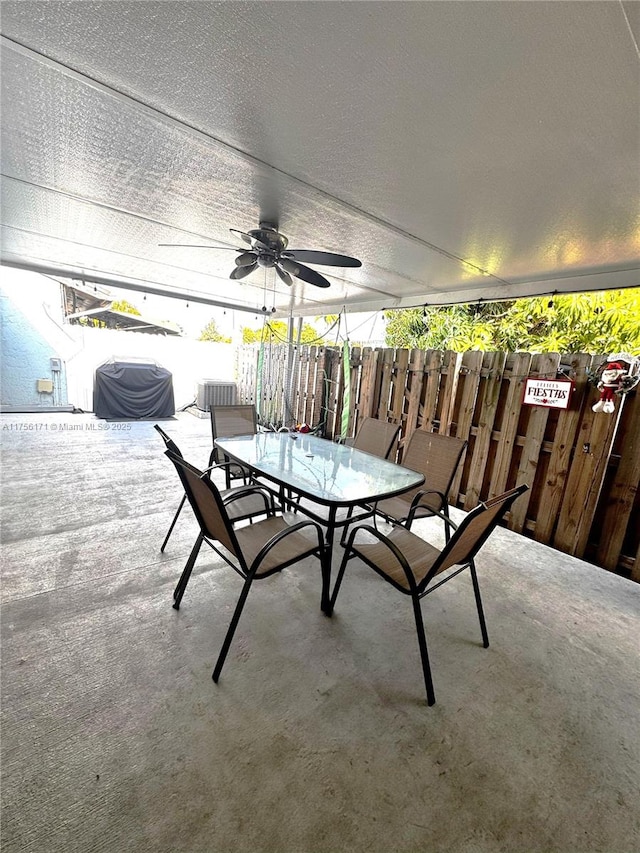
327 559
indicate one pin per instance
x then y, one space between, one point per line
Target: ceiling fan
268 248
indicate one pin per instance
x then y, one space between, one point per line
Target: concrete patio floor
318 736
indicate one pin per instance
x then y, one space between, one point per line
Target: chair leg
186 572
424 655
173 523
232 629
445 512
476 589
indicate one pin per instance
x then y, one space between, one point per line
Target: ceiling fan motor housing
268 235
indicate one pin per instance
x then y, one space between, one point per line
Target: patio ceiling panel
460 150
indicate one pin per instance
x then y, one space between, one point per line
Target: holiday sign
552 393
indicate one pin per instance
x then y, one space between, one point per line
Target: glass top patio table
319 469
329 474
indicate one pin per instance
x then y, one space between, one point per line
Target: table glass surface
320 469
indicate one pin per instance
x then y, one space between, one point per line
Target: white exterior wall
189 361
36 301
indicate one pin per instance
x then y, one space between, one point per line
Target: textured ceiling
461 150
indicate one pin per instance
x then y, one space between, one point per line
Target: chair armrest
244 491
397 553
246 474
280 536
423 493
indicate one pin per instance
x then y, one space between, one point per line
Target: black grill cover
132 389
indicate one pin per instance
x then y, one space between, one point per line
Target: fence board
335 374
563 444
317 418
452 364
494 365
415 377
508 429
386 369
469 384
586 475
309 385
623 490
368 381
432 368
354 363
398 385
544 366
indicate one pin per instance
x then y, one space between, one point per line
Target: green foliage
125 307
276 332
601 322
211 333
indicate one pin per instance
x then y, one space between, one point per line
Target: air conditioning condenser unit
215 392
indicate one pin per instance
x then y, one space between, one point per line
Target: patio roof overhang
462 151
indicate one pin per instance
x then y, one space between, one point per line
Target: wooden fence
583 468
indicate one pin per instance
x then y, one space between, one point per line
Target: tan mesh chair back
436 456
228 422
379 438
207 504
472 533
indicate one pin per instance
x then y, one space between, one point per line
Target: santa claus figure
611 383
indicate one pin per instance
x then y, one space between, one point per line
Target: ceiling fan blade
246 259
326 258
284 276
304 273
197 246
246 238
241 272
250 240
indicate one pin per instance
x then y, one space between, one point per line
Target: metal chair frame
458 554
215 526
228 496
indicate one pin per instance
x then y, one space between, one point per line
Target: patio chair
228 422
410 564
259 550
239 510
437 457
380 438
